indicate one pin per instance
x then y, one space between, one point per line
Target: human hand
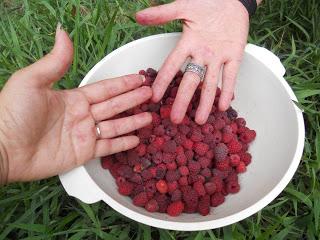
214 35
44 132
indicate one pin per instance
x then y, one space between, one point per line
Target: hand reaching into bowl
214 35
44 132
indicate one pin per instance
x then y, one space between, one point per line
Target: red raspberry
165 111
138 188
223 164
232 187
181 159
196 136
163 202
190 208
183 181
207 128
152 149
248 136
209 154
142 72
158 142
137 168
219 124
171 166
159 130
209 138
150 72
152 206
153 171
162 186
172 175
175 208
171 130
125 171
125 188
227 137
204 205
198 186
141 149
193 178
233 177
234 160
201 178
211 119
210 187
234 146
189 155
170 146
166 122
180 138
246 158
169 101
241 168
232 114
201 148
245 147
157 157
242 130
173 92
217 199
188 144
140 199
185 120
150 186
204 162
217 136
179 150
194 167
184 129
218 182
146 175
172 186
154 107
156 120
190 197
220 152
168 157
121 157
160 172
241 122
206 172
227 129
184 170
219 173
234 127
176 195
145 163
136 178
107 162
144 132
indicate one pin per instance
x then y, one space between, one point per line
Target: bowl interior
259 97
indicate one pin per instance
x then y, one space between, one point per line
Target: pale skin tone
214 35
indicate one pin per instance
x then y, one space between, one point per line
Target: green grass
42 210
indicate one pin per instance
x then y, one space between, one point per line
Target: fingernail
58 29
143 78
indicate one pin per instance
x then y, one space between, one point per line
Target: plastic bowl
262 96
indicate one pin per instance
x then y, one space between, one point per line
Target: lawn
42 209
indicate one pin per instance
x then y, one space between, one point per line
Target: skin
214 35
44 132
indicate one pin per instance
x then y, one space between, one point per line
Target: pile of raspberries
183 168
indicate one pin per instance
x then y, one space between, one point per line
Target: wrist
4 165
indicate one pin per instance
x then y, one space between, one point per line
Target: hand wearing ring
214 36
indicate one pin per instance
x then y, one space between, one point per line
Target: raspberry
189 155
233 177
151 73
179 150
209 154
241 122
190 208
158 142
181 159
146 175
157 157
227 129
162 186
210 187
152 149
172 175
169 101
207 128
138 188
176 195
227 137
223 164
152 206
159 130
204 162
107 162
216 136
140 199
180 138
125 171
218 182
160 172
211 119
136 178
194 167
190 197
241 168
185 120
188 144
234 146
183 181
168 157
204 205
172 186
217 199
196 136
142 72
163 202
150 186
153 107
232 187
184 171
242 130
166 122
246 158
232 114
219 124
234 160
234 127
219 173
193 178
165 111
170 146
125 188
121 157
171 130
247 136
198 186
209 138
201 148
173 92
245 147
145 163
141 149
137 168
144 132
206 172
153 171
220 152
175 208
171 166
156 120
184 129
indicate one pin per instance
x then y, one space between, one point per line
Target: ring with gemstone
98 132
197 69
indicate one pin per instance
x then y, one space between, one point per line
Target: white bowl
262 96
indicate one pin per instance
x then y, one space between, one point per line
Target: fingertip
223 105
175 118
200 119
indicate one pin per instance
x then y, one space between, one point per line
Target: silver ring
197 69
98 132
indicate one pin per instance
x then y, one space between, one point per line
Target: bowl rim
208 224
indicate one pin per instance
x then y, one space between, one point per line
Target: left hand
214 35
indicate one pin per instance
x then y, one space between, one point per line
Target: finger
208 92
105 89
114 128
121 103
188 86
230 71
159 14
106 147
54 65
170 67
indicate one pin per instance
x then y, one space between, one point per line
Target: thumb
54 65
160 14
